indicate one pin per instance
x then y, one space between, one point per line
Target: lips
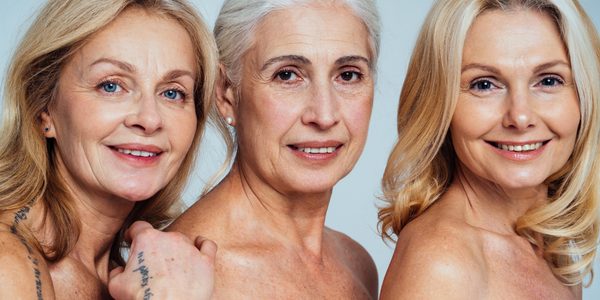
518 147
136 150
316 150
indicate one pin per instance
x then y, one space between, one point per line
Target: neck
292 218
100 218
493 207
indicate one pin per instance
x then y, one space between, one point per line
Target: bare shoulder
437 257
196 220
359 259
23 273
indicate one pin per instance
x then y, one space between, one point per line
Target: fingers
135 229
116 271
206 246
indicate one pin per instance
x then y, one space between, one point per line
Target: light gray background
353 206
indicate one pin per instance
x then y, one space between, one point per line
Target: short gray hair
238 19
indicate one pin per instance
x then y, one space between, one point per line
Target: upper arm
23 275
435 266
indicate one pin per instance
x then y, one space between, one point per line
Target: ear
225 100
47 125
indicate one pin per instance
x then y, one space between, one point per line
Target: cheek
359 116
181 133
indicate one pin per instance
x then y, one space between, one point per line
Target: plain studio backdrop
353 205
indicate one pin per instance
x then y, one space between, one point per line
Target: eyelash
285 70
183 94
479 80
104 82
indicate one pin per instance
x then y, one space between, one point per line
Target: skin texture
123 89
465 246
302 87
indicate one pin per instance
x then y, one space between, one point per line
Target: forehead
142 38
512 35
306 29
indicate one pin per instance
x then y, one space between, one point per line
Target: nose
520 113
323 108
145 115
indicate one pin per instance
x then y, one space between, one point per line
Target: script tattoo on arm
145 276
21 215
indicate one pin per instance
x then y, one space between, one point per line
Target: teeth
317 150
137 152
520 148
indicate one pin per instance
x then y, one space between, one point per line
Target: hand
164 265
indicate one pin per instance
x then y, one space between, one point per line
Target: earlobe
225 98
47 125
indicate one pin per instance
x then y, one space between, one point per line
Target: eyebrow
178 73
481 67
350 59
293 58
550 65
305 61
496 71
121 65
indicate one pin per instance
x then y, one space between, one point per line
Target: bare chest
518 272
243 276
72 281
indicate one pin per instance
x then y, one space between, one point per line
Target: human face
124 116
517 92
305 89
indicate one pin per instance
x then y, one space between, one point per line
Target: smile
317 150
136 152
519 148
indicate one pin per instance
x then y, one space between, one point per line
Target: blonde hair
27 159
421 165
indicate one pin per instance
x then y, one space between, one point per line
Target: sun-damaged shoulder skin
436 260
359 259
23 272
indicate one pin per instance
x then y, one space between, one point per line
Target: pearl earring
229 120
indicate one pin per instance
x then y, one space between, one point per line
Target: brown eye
349 76
286 75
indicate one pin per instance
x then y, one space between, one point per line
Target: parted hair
422 163
27 159
234 33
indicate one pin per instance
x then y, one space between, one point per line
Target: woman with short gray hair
297 91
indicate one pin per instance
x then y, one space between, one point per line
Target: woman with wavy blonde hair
105 105
492 187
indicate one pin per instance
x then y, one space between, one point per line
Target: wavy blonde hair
421 165
27 159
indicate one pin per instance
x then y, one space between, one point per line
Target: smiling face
306 98
517 115
124 116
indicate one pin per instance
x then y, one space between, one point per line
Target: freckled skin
300 85
88 117
465 245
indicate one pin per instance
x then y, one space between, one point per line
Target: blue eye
112 87
172 94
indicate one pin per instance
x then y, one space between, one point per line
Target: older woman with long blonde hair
492 187
105 104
